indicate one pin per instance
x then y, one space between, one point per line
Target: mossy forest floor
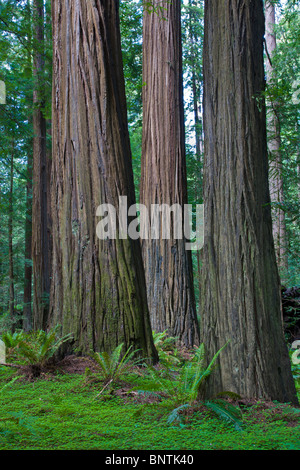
69 410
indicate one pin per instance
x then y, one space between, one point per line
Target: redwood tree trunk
167 264
241 294
98 290
41 190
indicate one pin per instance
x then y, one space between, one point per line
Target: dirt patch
68 365
264 411
127 394
76 365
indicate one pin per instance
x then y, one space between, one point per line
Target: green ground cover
73 411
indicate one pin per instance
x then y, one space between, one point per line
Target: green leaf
227 412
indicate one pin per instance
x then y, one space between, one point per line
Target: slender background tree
275 147
41 250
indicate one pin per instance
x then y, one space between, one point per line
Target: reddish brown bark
168 266
98 289
240 299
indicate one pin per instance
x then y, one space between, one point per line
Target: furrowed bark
240 286
168 265
98 289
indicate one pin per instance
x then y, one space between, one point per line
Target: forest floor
71 410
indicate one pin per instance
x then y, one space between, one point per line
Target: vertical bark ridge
240 299
163 178
99 289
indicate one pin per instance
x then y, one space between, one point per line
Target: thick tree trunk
98 289
41 190
275 175
241 293
167 263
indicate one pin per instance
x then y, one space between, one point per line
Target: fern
113 365
37 349
11 340
165 345
175 416
11 382
168 385
229 413
192 376
43 346
186 390
194 373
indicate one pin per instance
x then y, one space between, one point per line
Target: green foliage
12 340
175 416
226 411
190 382
18 418
64 416
295 370
113 366
38 348
165 346
195 372
23 424
9 384
186 389
283 96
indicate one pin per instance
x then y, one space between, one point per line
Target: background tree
168 265
27 308
98 289
131 24
15 127
241 295
10 235
274 144
284 91
192 30
41 251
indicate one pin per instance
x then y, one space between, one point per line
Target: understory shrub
37 349
186 387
